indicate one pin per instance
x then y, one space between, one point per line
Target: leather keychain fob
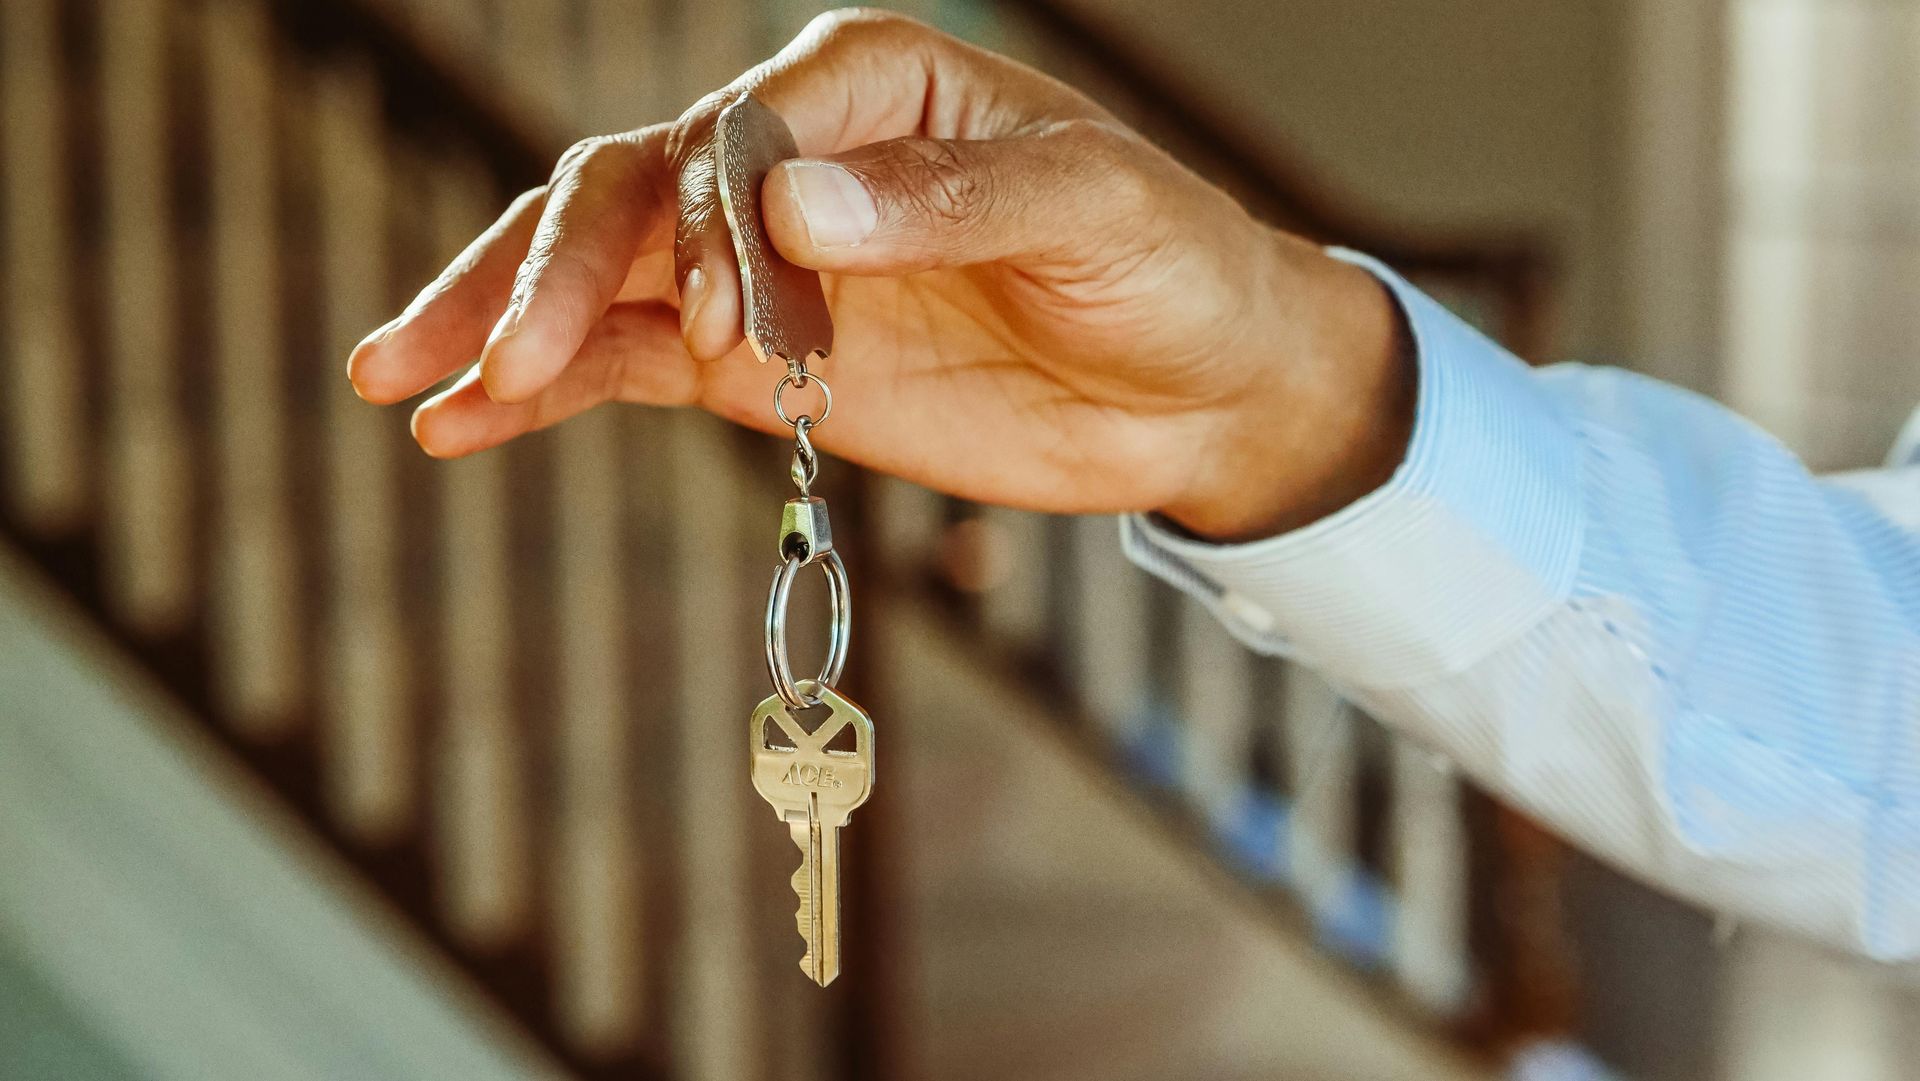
785 309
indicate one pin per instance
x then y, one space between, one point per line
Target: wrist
1325 425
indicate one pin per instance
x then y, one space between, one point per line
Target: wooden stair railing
475 676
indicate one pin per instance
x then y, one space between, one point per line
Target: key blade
785 308
816 884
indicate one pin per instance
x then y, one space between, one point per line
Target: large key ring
840 630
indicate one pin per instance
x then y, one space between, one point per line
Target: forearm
1629 611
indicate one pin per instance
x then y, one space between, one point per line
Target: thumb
904 205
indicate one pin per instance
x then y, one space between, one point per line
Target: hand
1033 306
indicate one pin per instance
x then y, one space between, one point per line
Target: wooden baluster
482 798
44 423
1216 713
717 1023
1270 771
648 580
1322 755
1015 604
1773 268
367 744
1430 950
147 499
597 906
256 624
1110 656
908 521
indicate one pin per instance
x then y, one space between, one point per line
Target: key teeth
803 916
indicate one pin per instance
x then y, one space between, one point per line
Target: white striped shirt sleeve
1624 608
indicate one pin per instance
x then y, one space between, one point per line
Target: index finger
604 201
850 78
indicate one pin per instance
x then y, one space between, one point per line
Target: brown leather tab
785 309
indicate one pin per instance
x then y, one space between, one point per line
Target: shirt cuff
1474 540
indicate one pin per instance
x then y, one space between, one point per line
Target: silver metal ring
800 379
839 633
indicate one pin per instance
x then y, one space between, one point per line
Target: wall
1440 114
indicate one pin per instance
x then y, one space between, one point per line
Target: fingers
633 354
446 325
710 306
605 198
913 204
851 77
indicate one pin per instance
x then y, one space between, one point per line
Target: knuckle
577 156
569 286
1100 144
527 199
601 158
859 26
577 272
700 115
936 181
688 135
1112 160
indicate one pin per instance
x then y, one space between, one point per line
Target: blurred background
322 760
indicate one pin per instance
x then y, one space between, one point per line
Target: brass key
814 788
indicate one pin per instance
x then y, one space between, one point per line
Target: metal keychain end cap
805 532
